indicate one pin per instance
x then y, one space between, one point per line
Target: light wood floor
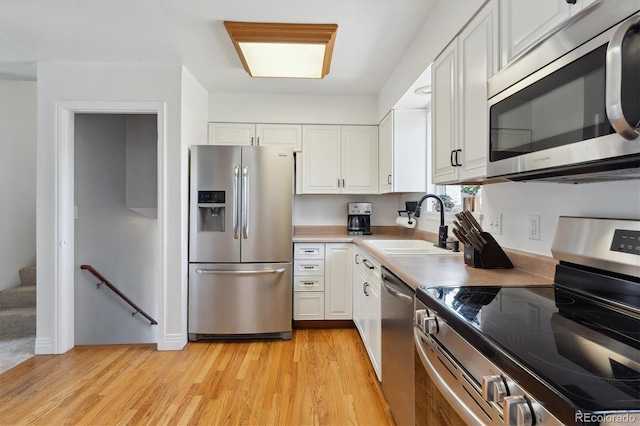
320 377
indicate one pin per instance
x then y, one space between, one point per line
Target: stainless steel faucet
443 229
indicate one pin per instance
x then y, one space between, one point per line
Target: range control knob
419 317
493 388
517 411
430 325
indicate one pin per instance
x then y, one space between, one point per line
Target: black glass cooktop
570 353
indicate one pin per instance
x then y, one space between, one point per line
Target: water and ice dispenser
211 208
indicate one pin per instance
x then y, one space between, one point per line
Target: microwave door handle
236 178
614 81
245 202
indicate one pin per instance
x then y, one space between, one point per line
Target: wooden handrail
119 293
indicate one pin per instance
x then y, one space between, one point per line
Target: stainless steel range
562 354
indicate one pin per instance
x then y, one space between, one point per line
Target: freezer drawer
227 300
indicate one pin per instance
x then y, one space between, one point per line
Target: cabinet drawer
308 251
308 283
308 267
308 306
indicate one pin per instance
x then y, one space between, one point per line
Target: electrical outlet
495 223
534 227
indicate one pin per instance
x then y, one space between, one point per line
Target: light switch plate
495 223
534 227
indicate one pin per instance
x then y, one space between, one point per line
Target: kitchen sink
407 247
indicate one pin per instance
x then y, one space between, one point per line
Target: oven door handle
614 81
458 405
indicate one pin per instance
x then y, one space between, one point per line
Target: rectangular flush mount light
283 50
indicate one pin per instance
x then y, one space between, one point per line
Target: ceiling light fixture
283 50
424 90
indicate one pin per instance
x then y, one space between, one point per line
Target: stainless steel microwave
574 118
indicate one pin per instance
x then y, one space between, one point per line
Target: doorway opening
116 228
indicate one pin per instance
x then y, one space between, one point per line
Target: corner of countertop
532 263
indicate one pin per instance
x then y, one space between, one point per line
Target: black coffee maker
359 218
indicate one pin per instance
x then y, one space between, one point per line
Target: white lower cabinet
322 281
366 306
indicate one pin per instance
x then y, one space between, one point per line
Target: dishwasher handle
396 288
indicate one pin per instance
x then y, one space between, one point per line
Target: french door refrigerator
240 242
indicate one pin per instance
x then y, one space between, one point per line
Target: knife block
490 256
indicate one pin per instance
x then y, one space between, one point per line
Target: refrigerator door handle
257 272
236 179
245 202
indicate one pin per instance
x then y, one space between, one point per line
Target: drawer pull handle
309 283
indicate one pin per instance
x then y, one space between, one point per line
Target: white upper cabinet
477 61
444 75
402 144
339 159
232 133
359 160
459 102
289 135
524 22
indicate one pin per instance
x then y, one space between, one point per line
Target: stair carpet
18 305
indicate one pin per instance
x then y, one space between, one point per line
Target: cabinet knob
493 388
364 288
517 412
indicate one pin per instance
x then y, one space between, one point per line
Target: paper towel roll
406 222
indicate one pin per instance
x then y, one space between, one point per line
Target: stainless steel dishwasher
397 347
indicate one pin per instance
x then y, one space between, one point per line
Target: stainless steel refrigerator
240 242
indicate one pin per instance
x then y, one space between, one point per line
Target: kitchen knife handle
473 220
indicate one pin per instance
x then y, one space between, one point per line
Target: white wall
517 200
121 244
331 210
142 164
117 83
18 130
194 111
443 23
313 109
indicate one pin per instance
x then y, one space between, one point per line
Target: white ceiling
372 37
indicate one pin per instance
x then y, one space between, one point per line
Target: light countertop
431 270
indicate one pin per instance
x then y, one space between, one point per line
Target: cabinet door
360 286
359 160
523 22
308 306
289 135
321 159
385 154
410 138
338 281
443 105
231 133
374 328
477 61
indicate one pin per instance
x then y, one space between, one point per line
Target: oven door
445 392
581 109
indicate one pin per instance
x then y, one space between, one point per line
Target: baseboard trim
172 342
323 324
44 346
